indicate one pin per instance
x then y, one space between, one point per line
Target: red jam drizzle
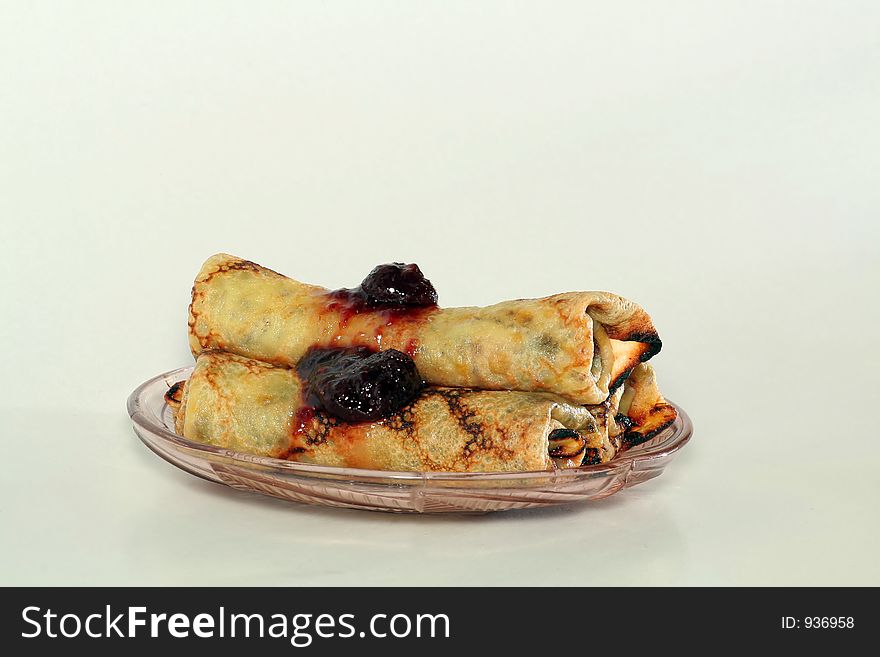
303 418
349 303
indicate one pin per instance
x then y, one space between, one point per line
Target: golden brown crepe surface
246 405
578 345
647 411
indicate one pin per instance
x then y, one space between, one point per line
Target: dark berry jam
357 384
397 284
393 285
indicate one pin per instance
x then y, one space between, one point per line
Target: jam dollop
397 284
392 285
357 384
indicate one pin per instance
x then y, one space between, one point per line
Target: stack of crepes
501 380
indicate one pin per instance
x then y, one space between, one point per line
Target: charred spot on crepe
402 420
566 443
291 453
312 427
625 422
592 456
174 394
356 384
619 381
655 344
465 417
462 414
635 436
559 434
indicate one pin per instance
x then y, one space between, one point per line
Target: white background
718 162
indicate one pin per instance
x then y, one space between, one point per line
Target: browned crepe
578 345
635 412
249 406
254 407
647 412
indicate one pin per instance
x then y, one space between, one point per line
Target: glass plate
398 492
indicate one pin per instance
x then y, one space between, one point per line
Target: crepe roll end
566 447
646 411
174 395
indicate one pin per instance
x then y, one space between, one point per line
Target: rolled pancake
578 345
246 405
641 408
635 412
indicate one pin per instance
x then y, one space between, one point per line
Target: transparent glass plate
399 492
